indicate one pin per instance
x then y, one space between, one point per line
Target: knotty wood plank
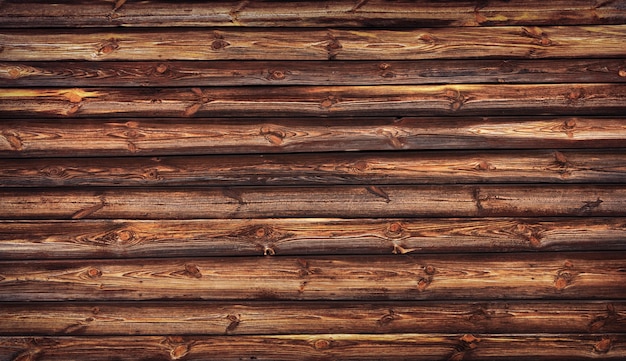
228 73
271 318
320 347
443 167
304 236
373 13
526 42
108 137
339 201
384 100
468 277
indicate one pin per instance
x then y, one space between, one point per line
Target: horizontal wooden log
320 347
108 137
384 100
271 318
526 42
373 13
237 237
339 201
435 277
444 167
228 73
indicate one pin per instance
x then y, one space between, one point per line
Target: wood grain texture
320 347
372 13
89 239
271 318
418 100
340 201
183 136
409 278
523 42
442 167
270 73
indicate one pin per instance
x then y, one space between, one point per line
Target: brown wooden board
270 73
506 42
304 236
372 13
182 136
496 276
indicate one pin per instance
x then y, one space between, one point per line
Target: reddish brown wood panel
329 180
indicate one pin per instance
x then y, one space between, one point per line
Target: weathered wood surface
373 13
359 201
272 318
304 236
405 100
509 276
320 347
228 73
524 42
442 167
182 136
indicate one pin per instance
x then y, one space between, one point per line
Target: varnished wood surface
269 73
372 13
359 201
442 167
506 42
418 100
510 276
320 347
89 239
183 136
274 318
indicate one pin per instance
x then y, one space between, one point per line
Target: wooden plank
320 347
436 277
305 236
271 318
108 137
339 201
384 100
228 73
373 13
526 42
443 167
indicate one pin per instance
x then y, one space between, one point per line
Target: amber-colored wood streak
373 13
229 73
271 318
525 42
303 236
419 100
395 277
184 136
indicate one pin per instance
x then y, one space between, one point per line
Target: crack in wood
379 192
84 213
589 206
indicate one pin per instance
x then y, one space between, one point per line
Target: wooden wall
330 180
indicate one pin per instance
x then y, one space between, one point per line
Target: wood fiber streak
408 278
372 13
419 100
320 347
451 167
271 318
36 137
521 42
242 73
303 236
359 201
